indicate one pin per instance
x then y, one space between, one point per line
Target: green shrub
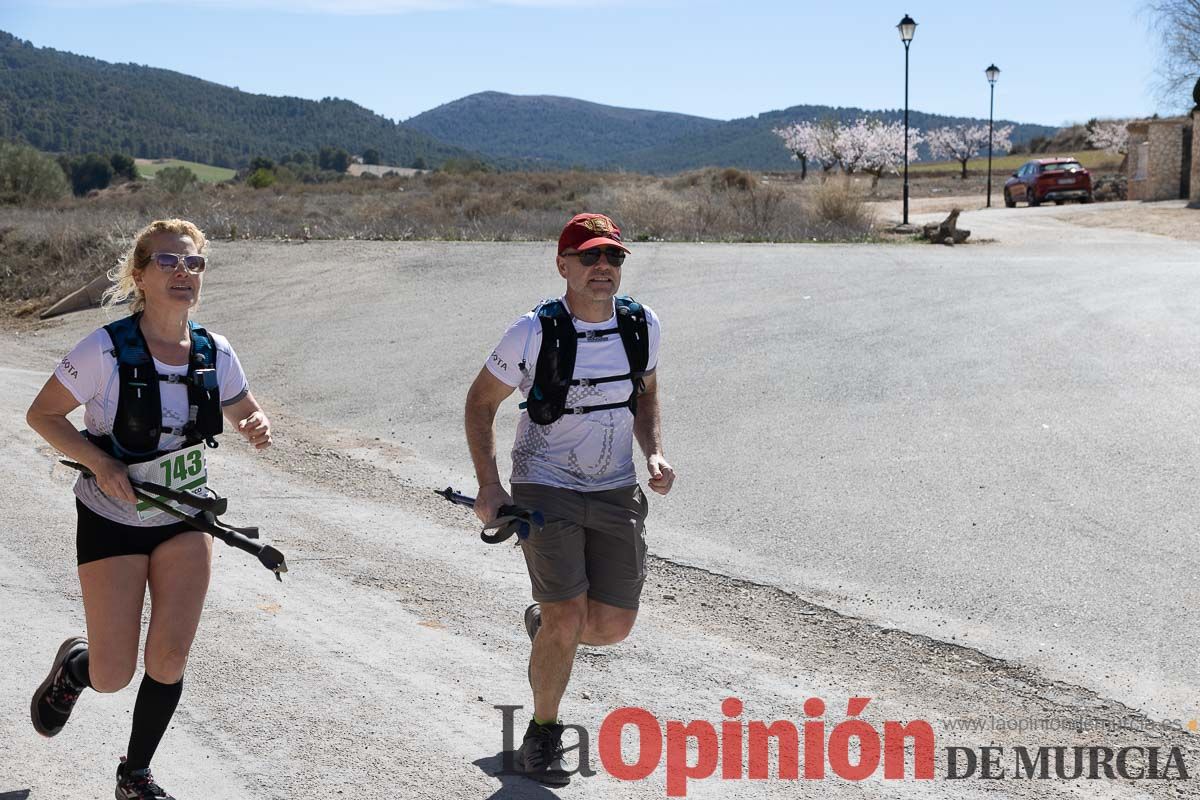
261 162
124 166
335 159
89 172
261 178
28 176
176 180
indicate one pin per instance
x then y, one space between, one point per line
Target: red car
1057 179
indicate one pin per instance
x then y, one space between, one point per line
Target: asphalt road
985 445
988 444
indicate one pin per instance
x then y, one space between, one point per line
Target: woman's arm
247 416
48 416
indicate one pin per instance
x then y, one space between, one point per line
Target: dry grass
40 255
839 202
44 250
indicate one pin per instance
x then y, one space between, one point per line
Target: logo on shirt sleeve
499 362
69 368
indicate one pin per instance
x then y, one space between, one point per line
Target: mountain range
560 131
65 103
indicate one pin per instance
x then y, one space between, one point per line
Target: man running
585 364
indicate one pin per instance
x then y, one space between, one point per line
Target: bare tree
1177 22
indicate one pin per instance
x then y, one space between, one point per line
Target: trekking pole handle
509 519
457 498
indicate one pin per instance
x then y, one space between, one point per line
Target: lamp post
907 28
992 73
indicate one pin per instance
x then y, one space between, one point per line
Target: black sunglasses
169 262
590 257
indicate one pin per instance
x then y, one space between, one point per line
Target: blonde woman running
155 387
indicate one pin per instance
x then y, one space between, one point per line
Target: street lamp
992 73
907 28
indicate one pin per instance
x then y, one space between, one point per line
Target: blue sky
1063 61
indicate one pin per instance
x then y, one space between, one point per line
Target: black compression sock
151 715
77 669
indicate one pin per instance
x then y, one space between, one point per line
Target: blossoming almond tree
880 146
801 140
963 142
866 145
1109 135
821 143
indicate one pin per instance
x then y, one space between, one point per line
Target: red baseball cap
585 231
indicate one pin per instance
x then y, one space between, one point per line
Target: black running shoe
533 620
138 784
54 699
541 755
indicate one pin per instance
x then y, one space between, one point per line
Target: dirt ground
1167 218
1171 218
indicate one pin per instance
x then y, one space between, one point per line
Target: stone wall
1155 161
1194 195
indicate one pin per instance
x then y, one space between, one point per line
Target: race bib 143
183 470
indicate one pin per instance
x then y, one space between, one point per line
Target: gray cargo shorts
593 542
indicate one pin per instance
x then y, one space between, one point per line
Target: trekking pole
206 520
509 519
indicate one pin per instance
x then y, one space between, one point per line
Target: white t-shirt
586 452
90 373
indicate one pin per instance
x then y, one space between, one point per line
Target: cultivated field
1005 165
147 168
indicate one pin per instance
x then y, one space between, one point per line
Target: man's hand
256 428
662 476
488 501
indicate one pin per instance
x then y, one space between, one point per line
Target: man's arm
647 429
483 400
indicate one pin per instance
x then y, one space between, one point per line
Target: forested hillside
555 130
64 103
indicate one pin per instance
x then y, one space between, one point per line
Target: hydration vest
554 374
138 423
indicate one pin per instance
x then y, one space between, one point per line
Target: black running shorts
98 537
593 542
